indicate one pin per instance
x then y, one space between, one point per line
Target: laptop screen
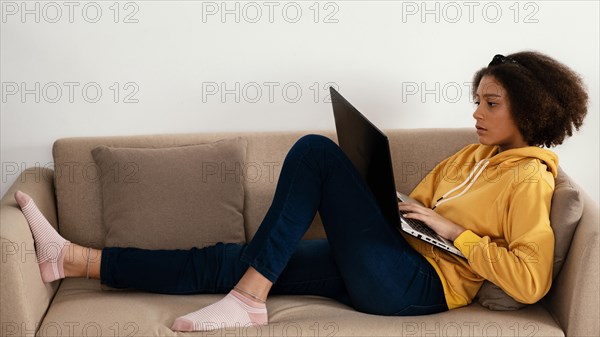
368 149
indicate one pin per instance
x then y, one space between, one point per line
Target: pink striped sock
235 310
50 247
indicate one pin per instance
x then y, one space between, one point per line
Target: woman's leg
213 269
382 273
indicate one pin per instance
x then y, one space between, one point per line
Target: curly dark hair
547 98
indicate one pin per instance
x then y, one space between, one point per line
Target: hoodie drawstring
475 169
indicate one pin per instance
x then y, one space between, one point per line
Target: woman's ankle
254 286
71 264
82 262
249 295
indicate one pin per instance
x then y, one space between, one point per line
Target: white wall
172 61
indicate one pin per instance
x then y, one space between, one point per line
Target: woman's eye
492 104
476 102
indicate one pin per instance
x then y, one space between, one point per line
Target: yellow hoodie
503 202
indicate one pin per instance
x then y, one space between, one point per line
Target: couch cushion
172 198
81 308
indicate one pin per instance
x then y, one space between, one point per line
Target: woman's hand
442 226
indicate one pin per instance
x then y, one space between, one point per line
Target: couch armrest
573 299
25 298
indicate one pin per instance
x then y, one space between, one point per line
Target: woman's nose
477 113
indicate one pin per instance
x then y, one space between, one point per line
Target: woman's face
494 122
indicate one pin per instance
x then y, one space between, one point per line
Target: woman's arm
523 269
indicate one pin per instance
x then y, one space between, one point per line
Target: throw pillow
172 198
565 212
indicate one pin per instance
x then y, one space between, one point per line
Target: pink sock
235 310
50 247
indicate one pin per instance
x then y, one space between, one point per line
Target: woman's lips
480 129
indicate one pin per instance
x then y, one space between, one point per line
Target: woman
491 199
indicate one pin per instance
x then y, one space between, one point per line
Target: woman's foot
235 310
50 247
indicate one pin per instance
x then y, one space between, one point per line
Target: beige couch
75 307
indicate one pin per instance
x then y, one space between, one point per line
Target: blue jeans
364 262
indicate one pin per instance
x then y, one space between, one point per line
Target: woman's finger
415 216
408 206
412 208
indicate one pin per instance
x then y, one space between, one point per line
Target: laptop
369 150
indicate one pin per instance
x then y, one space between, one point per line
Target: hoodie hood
512 157
488 156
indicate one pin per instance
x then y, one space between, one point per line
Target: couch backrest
414 152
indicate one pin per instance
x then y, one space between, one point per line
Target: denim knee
315 139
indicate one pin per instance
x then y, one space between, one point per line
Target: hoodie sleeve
523 269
